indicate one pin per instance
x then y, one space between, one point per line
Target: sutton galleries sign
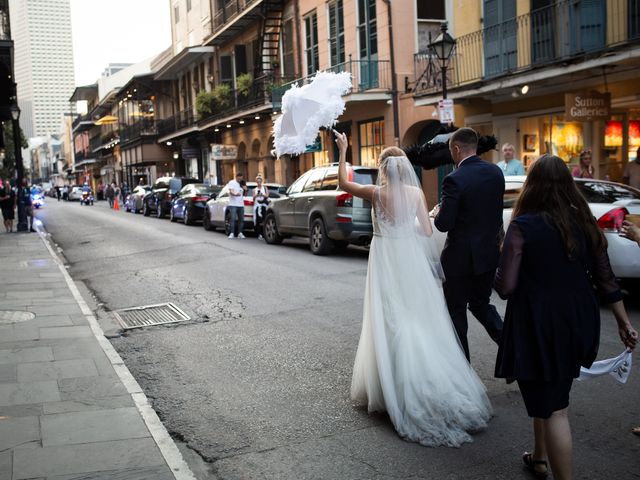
587 106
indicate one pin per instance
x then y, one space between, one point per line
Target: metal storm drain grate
149 315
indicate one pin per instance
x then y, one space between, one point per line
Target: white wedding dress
409 361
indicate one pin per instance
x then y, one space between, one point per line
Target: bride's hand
341 140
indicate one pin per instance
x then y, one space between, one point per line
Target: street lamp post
443 47
17 145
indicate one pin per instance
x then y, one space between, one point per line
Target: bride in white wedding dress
409 361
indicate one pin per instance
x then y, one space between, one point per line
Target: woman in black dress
553 256
8 205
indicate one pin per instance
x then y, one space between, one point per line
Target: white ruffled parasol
305 109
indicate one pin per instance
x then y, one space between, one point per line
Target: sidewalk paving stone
90 387
8 373
90 457
89 404
32 392
149 473
66 332
92 426
56 370
18 431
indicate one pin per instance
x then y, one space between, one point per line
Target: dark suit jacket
471 213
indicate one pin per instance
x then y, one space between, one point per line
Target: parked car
133 202
189 203
316 208
75 193
158 200
216 214
609 203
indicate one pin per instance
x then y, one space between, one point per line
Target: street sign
445 109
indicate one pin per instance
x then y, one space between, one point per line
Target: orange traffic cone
115 204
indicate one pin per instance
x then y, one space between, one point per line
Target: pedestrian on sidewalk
584 169
24 198
236 205
8 205
260 202
117 192
550 331
109 194
65 193
58 193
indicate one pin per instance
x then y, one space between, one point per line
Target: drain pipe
394 81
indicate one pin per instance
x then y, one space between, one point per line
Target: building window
288 59
371 142
431 13
368 44
176 13
311 43
226 69
336 33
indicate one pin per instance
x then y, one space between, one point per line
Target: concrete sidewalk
69 408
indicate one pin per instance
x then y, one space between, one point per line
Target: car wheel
159 212
145 209
187 216
270 230
319 242
206 221
172 217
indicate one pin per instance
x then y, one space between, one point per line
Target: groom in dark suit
471 213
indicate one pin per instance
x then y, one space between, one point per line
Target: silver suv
314 207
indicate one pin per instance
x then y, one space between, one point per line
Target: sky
115 31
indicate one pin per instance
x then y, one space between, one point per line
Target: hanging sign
445 108
585 106
223 152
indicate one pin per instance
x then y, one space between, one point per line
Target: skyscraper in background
43 53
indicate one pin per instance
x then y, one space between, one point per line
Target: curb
165 443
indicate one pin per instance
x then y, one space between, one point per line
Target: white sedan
609 202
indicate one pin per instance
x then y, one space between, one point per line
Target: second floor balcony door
588 19
368 44
500 37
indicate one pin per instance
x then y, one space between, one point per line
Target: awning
85 92
106 120
82 163
178 64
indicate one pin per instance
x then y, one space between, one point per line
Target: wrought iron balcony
230 18
565 30
367 76
183 119
141 129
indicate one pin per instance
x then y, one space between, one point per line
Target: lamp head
443 44
15 111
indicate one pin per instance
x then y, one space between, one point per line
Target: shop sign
223 152
445 108
585 106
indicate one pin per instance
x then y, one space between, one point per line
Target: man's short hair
507 145
466 138
239 174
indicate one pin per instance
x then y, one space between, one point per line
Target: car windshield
365 177
599 192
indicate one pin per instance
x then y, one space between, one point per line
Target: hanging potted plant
204 103
222 96
244 82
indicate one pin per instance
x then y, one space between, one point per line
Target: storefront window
564 139
621 142
321 157
371 142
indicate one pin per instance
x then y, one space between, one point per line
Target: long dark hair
551 191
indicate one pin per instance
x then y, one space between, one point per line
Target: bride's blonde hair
391 152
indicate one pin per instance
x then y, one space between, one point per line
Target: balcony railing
366 76
183 119
230 10
564 30
257 96
143 128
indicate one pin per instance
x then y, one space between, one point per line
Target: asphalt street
257 383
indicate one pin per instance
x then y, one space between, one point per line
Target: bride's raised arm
362 191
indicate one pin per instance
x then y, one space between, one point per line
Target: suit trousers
474 292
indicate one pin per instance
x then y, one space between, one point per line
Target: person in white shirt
236 205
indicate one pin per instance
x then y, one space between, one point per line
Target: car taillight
248 203
612 220
344 200
200 199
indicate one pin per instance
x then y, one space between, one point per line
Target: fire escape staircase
268 48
